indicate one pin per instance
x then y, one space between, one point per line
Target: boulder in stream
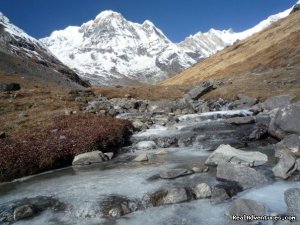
89 158
277 102
285 166
286 121
245 176
174 173
226 153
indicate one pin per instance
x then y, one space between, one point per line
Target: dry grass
148 92
55 145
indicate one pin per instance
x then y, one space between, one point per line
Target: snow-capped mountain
15 41
110 50
214 40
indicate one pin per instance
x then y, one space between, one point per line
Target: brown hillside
274 51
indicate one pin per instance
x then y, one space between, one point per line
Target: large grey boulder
241 207
200 90
292 199
226 153
89 158
174 173
245 176
277 102
290 144
286 121
285 166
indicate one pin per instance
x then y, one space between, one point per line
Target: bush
55 146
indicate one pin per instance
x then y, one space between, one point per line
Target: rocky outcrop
226 153
286 121
245 176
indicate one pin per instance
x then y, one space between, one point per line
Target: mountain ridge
110 50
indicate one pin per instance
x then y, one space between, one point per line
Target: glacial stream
83 188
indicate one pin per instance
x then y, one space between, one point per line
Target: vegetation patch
55 146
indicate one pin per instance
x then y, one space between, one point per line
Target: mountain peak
108 14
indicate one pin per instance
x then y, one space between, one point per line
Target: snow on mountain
15 41
111 50
214 40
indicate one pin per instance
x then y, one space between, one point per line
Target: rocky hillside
25 56
256 61
111 50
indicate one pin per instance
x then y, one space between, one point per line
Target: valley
112 123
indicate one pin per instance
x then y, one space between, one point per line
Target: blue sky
176 18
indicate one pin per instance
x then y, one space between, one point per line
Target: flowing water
83 188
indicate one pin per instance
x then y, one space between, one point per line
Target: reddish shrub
55 146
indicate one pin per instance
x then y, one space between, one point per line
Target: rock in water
285 167
292 199
277 102
219 195
174 173
202 191
286 121
226 153
290 144
245 176
241 120
242 207
141 158
23 212
175 195
200 90
89 158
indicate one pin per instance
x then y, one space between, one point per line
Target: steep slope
21 53
111 50
212 41
275 48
